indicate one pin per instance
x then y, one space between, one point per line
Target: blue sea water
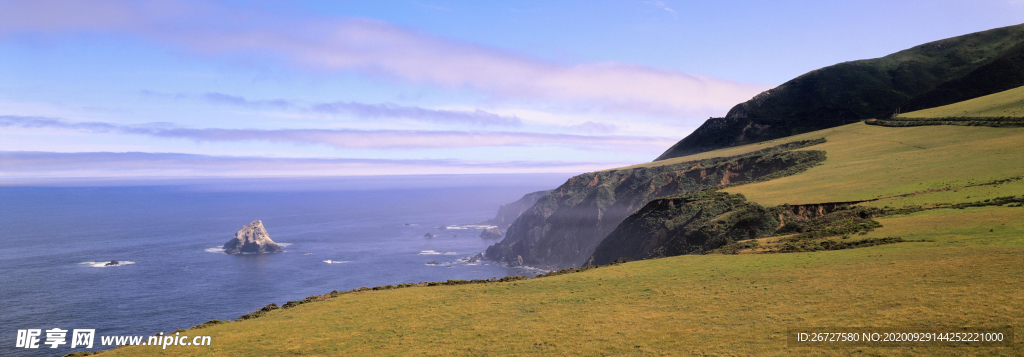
53 241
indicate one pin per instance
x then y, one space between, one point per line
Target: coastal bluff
252 238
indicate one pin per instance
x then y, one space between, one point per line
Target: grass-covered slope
962 269
1003 109
867 162
697 223
1009 103
929 75
686 305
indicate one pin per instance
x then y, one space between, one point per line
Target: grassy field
867 162
689 305
1008 103
966 273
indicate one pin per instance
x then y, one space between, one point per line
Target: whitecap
214 250
283 245
103 264
336 261
434 252
470 226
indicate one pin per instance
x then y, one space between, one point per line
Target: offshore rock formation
491 233
508 213
476 258
252 238
565 226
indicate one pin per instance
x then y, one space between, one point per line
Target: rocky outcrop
491 233
687 224
717 133
700 222
112 263
508 213
565 226
252 238
516 262
429 235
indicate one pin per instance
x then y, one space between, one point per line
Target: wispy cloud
30 167
346 138
390 110
362 110
378 48
661 5
222 98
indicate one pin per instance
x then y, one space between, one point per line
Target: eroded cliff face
508 213
565 226
692 223
700 222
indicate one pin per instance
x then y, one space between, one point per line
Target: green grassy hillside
867 162
1008 103
965 271
925 76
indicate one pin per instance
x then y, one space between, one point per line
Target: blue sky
163 89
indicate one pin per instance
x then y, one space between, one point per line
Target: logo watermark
899 337
84 338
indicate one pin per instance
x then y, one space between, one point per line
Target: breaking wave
103 264
467 226
434 252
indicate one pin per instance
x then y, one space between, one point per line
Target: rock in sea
491 233
112 263
429 235
252 238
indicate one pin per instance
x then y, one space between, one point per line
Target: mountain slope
928 75
1009 103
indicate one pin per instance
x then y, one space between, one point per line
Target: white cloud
377 48
349 138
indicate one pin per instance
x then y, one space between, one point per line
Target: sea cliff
565 225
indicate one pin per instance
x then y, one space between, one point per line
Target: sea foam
434 252
468 226
103 264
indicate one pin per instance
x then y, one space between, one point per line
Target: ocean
338 234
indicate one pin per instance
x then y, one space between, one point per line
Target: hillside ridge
932 74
